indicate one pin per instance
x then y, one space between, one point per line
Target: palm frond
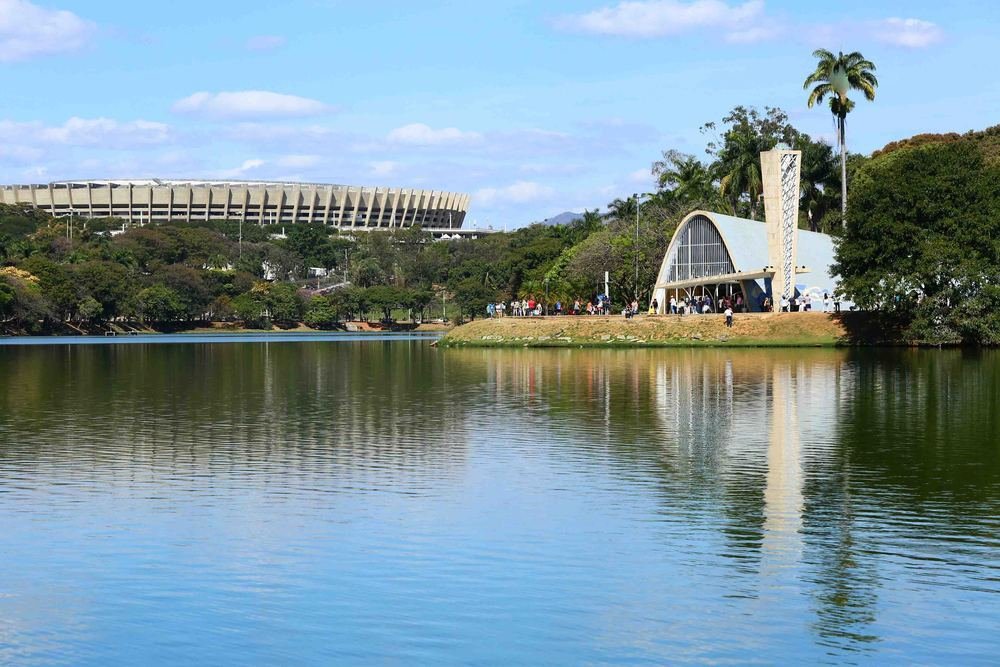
818 93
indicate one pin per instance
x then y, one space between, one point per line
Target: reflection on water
360 501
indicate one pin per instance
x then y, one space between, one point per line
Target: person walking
729 317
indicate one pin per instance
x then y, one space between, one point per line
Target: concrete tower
780 169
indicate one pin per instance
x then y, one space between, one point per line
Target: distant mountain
562 219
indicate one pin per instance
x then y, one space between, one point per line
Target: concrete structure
720 254
254 202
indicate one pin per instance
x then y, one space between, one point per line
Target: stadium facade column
780 171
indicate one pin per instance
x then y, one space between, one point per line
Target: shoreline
809 329
134 330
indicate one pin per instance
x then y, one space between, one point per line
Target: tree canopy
923 239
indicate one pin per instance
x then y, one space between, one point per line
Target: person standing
673 306
729 317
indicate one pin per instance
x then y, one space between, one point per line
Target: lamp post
637 199
546 295
69 222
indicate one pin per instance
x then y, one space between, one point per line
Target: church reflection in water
754 436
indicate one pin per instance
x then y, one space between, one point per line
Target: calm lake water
381 501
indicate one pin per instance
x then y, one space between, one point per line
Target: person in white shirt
729 317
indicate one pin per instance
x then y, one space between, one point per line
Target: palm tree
684 178
835 76
739 167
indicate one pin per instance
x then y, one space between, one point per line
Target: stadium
257 202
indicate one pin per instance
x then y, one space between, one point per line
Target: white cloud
103 132
265 42
27 30
384 167
640 177
521 192
243 169
662 18
298 161
910 33
755 33
419 134
249 104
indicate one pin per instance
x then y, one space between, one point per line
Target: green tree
368 272
836 76
108 283
160 303
922 241
320 314
251 309
7 296
746 134
88 309
189 286
684 177
284 303
385 298
472 296
820 180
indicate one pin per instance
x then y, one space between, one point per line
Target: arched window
699 252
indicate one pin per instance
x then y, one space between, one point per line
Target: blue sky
533 108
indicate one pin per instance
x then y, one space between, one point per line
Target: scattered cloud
265 42
249 104
664 18
909 33
737 22
243 169
384 167
27 30
755 33
521 192
104 132
419 134
298 161
641 177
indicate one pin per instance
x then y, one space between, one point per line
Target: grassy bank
749 330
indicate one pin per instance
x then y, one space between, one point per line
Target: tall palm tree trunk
843 170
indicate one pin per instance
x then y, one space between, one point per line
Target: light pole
69 222
546 295
636 195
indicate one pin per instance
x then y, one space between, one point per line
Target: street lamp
637 199
69 222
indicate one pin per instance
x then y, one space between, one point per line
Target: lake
377 500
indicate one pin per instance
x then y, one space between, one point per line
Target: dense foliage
923 238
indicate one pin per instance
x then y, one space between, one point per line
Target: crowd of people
829 303
678 305
530 307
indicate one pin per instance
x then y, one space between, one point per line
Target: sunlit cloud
249 104
27 30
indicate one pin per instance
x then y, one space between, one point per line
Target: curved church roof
746 245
